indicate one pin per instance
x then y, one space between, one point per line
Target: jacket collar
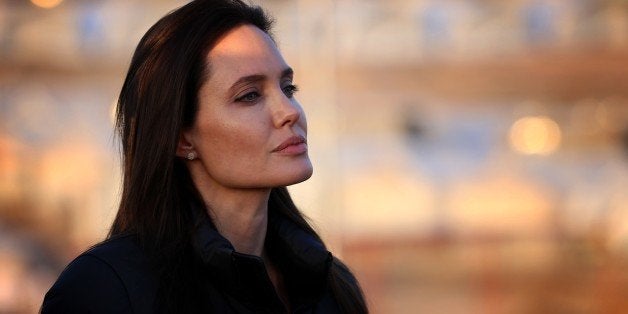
303 260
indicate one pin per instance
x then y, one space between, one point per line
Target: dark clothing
115 276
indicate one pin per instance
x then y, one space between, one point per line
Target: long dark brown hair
159 202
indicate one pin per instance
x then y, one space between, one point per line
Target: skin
246 110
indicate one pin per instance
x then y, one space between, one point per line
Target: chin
296 176
304 177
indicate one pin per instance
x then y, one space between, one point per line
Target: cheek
233 141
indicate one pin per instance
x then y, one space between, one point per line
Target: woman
211 135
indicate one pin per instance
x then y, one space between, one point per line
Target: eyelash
289 91
246 97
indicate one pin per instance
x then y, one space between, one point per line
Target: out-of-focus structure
470 156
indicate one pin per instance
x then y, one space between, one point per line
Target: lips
294 144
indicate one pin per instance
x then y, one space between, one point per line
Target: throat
242 218
247 237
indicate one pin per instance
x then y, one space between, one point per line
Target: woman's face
249 131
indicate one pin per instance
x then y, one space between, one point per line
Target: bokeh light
538 135
46 4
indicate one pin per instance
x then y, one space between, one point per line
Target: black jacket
115 277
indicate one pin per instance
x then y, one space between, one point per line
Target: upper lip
293 140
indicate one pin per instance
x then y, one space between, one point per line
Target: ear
185 146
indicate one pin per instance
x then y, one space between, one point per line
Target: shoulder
112 277
342 272
346 289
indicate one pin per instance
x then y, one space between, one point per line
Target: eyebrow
256 78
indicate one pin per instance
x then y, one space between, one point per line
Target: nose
285 111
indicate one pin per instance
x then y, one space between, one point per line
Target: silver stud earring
191 156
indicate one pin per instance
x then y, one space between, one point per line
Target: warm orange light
46 4
535 135
499 205
388 201
113 112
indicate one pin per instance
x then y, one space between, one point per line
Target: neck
242 220
240 215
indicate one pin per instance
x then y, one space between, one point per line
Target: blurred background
471 156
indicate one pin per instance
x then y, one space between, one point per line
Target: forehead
244 50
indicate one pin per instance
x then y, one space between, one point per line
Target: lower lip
297 149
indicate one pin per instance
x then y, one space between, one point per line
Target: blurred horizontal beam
542 75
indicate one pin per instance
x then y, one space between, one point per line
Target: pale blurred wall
470 156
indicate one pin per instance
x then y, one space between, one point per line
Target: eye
248 97
289 90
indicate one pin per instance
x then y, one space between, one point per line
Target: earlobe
185 148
